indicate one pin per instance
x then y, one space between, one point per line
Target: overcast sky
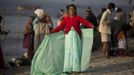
56 5
12 3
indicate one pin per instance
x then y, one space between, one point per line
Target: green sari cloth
49 57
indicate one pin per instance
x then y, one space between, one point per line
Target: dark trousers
1 59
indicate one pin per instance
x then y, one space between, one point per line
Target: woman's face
71 11
48 19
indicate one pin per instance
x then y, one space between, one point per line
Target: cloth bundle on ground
49 58
17 62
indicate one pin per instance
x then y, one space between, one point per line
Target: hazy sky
13 3
56 5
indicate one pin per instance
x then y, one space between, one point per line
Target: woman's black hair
72 5
103 9
111 5
119 9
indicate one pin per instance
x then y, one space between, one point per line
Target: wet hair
111 5
72 5
119 10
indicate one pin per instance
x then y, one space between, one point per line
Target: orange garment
121 36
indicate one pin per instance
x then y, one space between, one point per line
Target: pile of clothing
17 62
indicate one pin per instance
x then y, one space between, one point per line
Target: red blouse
74 22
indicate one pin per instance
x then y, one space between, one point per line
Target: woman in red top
73 46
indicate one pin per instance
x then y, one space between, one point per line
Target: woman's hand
47 33
92 26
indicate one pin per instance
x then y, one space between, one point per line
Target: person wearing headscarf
39 27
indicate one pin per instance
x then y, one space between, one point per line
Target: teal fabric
49 58
35 23
72 57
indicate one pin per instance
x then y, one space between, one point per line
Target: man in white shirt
105 28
